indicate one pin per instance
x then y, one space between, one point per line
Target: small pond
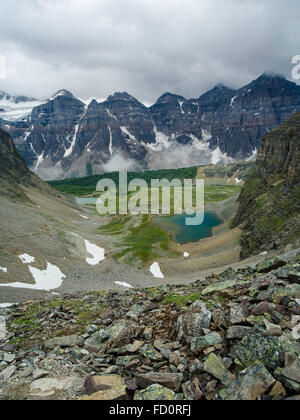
181 233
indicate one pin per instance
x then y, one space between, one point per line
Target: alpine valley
65 136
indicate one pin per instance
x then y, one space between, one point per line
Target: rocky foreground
233 337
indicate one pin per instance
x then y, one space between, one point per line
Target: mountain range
65 136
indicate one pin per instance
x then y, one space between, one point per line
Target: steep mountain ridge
14 174
13 170
15 99
270 200
63 137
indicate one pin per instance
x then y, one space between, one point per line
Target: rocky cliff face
11 164
14 173
67 137
270 200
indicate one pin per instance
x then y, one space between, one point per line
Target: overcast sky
145 47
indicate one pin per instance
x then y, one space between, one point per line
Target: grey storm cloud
145 47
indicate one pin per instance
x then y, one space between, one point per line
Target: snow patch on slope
253 156
69 151
45 280
125 131
162 141
97 253
181 104
110 141
5 305
156 271
123 284
26 259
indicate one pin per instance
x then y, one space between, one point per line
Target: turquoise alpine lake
183 234
86 200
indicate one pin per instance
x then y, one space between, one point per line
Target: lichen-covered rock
191 324
217 287
117 335
137 310
290 273
155 393
276 293
124 360
95 340
149 352
270 265
238 313
249 385
292 372
237 332
214 365
256 346
209 340
168 380
192 390
66 341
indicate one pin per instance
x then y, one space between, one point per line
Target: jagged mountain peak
221 86
16 99
124 96
169 97
62 92
123 100
220 90
93 104
267 75
269 79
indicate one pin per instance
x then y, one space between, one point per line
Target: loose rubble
235 336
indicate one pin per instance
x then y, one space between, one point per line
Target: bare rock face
65 134
249 385
14 172
11 163
104 388
169 380
192 323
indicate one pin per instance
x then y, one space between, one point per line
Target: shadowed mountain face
13 170
12 166
63 136
270 200
14 174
